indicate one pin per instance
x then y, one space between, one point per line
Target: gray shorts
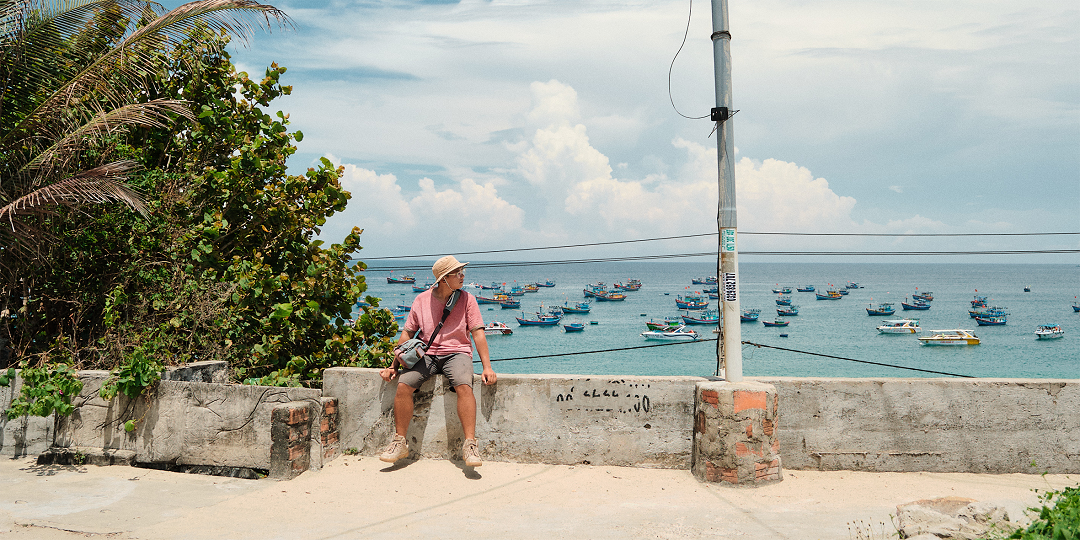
457 367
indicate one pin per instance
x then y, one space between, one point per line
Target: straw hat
444 266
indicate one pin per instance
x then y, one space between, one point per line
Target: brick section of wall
290 435
329 436
735 433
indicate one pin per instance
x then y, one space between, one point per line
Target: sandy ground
361 497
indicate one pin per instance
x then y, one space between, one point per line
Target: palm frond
154 113
98 185
137 54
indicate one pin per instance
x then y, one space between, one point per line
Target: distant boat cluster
693 308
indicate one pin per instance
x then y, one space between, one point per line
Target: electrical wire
517 264
672 66
747 233
759 345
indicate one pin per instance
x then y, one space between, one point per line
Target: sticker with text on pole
731 290
727 240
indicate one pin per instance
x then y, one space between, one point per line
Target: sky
485 125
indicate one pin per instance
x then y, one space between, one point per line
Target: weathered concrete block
735 433
182 423
210 371
25 435
991 426
564 419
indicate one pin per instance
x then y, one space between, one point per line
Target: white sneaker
398 449
470 453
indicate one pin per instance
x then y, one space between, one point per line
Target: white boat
681 333
497 328
957 336
1049 331
899 326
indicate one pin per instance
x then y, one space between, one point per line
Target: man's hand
388 374
488 376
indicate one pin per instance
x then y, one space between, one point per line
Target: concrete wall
937 425
634 421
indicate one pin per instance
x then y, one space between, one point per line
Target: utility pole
730 350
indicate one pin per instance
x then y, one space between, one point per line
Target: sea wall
565 419
938 425
935 425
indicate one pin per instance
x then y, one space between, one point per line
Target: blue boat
808 288
416 288
991 321
691 301
574 327
788 311
577 307
706 317
548 283
829 295
749 315
884 308
540 320
783 300
776 322
511 304
918 305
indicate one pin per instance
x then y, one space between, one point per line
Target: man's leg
403 408
466 409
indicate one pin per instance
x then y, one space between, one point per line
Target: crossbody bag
414 349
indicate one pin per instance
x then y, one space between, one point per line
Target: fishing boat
884 308
709 316
540 320
789 311
776 322
783 300
843 292
899 326
987 312
998 320
918 305
681 333
421 288
691 301
530 288
573 327
511 304
782 290
956 336
852 285
1027 289
1049 331
516 291
576 307
669 323
829 295
749 315
492 286
711 280
398 314
496 328
631 285
713 296
808 288
555 310
546 283
611 296
925 296
1076 306
401 279
486 300
593 289
979 301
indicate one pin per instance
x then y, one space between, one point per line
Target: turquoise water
839 328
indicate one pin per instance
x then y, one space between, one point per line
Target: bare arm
480 340
389 372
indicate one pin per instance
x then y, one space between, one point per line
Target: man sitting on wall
450 354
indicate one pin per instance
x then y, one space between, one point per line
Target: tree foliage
224 265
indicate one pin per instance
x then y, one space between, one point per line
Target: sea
827 339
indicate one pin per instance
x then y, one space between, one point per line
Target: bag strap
450 303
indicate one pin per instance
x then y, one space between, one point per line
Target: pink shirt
426 312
